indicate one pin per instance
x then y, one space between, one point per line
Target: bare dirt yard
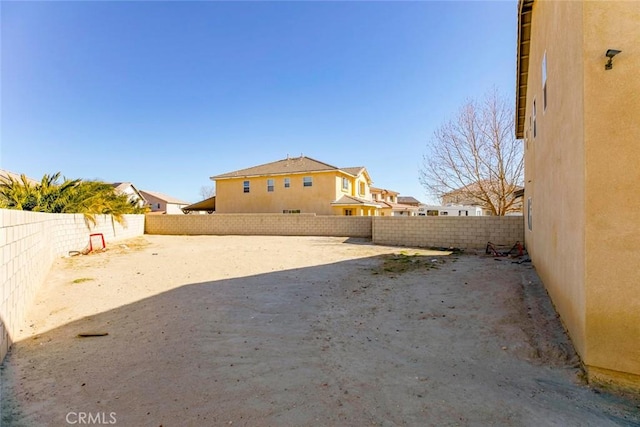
296 331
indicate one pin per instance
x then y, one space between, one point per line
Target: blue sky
166 94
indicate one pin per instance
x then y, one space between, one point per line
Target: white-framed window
270 185
345 183
361 188
307 181
287 182
246 186
544 81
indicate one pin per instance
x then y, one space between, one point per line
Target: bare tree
207 191
474 158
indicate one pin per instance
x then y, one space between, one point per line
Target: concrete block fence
29 243
461 232
260 224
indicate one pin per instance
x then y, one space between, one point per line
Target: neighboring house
5 175
577 109
296 185
130 190
471 195
389 204
163 204
409 200
450 210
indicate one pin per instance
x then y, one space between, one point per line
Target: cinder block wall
29 243
465 232
260 224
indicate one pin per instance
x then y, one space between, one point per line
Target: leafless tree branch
475 158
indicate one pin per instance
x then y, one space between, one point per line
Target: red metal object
91 241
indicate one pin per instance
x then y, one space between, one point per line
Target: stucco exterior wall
581 170
29 243
555 160
231 198
612 232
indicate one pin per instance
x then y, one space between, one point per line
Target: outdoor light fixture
610 54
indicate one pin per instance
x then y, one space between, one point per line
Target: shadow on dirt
465 341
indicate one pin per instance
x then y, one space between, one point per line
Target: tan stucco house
296 185
160 203
578 111
390 204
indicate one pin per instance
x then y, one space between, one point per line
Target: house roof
382 190
351 200
16 177
398 206
355 171
290 165
285 166
119 186
408 200
203 205
522 74
163 197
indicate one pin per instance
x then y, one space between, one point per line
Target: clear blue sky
167 94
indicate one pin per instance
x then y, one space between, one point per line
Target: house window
307 181
345 184
287 182
544 82
291 211
246 186
432 213
530 214
535 127
361 189
270 185
348 212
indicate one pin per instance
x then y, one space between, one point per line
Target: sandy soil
296 331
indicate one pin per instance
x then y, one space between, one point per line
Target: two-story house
389 203
578 111
296 185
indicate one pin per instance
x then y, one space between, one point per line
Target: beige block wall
29 243
461 232
260 224
464 232
612 233
555 161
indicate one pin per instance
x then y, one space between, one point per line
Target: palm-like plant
17 194
90 198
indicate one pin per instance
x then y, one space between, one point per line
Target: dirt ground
296 331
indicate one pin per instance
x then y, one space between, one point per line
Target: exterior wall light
610 54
